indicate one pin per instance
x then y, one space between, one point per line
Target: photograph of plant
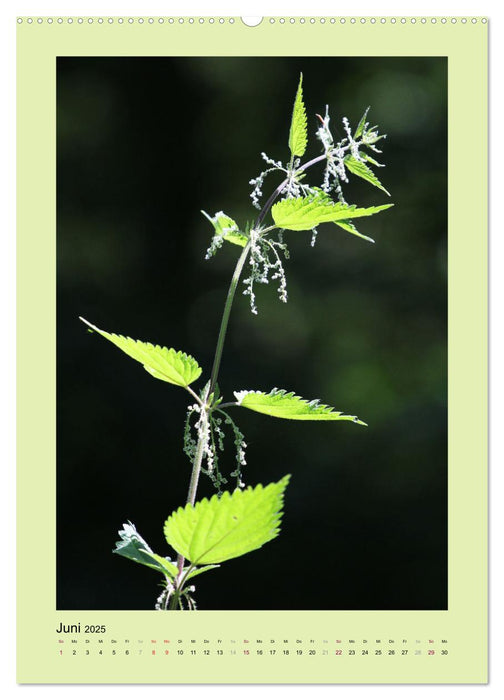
360 504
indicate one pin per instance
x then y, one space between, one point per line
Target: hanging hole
251 21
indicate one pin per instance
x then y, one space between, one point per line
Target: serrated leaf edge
205 502
372 178
196 370
305 205
298 133
164 562
312 405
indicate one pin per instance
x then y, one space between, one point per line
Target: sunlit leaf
350 227
368 158
134 547
227 228
215 530
200 570
305 213
167 566
282 404
360 169
298 134
360 127
169 365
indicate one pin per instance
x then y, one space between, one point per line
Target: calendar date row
257 652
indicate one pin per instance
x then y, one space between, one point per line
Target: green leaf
134 547
371 136
304 213
298 134
349 226
201 570
163 363
361 125
215 530
367 157
360 169
166 565
280 404
227 228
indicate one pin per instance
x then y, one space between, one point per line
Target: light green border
465 622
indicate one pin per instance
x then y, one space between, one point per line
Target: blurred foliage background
143 145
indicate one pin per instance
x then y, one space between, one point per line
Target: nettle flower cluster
301 206
210 435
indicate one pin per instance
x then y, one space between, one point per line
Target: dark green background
143 145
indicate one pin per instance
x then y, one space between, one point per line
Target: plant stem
238 270
194 395
311 162
280 187
174 600
198 458
225 316
196 470
200 447
270 201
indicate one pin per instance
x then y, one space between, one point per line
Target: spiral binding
233 20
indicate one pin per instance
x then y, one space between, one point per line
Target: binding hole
251 21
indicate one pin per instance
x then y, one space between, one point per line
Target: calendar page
252 349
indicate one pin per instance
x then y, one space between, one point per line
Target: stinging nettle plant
211 531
